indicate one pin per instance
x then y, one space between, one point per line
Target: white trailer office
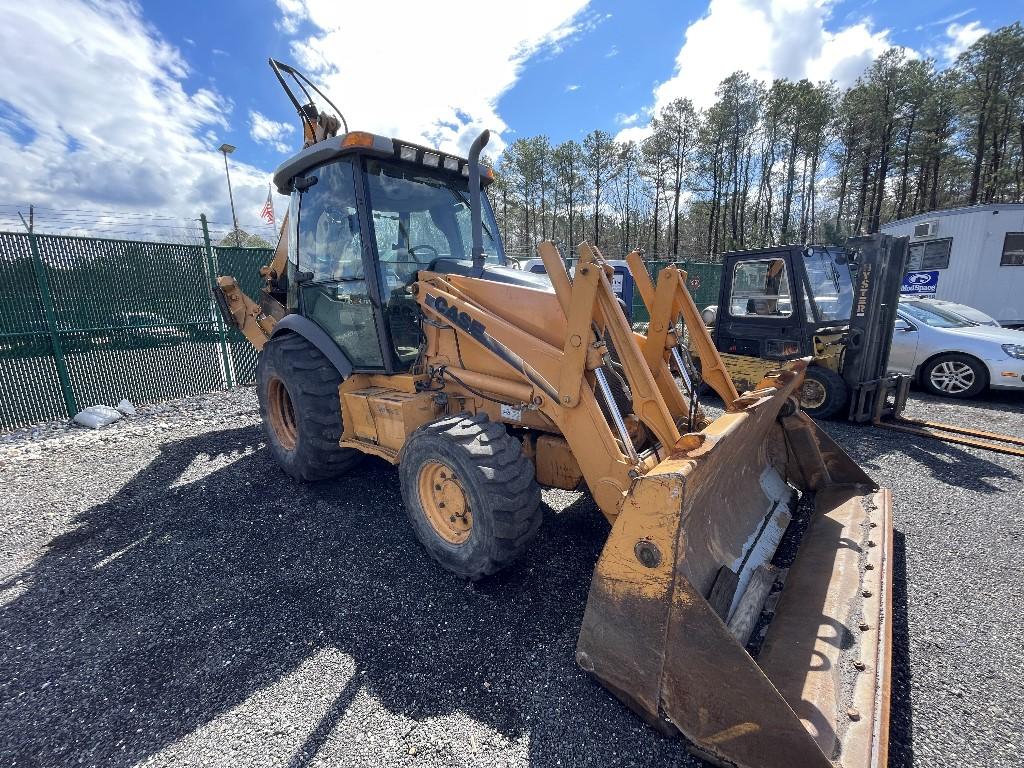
972 256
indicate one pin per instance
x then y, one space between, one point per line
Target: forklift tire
470 494
297 387
824 393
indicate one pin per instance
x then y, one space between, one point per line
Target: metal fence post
43 286
222 332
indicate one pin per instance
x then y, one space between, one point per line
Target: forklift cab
776 300
836 305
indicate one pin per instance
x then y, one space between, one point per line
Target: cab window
328 238
760 289
332 289
418 216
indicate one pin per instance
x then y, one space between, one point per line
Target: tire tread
504 476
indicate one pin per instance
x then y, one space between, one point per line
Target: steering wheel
433 253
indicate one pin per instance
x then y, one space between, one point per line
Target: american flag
267 214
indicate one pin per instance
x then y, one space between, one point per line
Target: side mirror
903 326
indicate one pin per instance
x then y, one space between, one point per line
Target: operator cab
366 214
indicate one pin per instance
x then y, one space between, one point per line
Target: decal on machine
474 328
863 290
511 413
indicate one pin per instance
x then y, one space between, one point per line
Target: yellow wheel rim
444 501
812 394
282 414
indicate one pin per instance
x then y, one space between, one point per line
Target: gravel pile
168 596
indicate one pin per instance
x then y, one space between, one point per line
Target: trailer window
760 289
1013 250
933 254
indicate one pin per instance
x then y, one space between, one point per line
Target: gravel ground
167 596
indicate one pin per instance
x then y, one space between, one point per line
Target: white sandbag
97 416
126 407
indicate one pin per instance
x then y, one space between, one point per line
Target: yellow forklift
837 306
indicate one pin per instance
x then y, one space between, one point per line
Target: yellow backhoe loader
388 325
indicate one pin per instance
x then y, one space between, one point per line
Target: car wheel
954 375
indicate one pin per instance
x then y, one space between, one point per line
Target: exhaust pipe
476 225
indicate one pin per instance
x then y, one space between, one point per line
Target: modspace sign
920 283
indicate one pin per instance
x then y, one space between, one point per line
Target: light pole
227 149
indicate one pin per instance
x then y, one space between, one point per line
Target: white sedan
950 356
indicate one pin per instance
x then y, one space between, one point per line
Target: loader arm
520 358
665 305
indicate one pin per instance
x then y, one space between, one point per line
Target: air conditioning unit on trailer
925 229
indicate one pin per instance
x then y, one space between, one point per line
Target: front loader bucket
686 570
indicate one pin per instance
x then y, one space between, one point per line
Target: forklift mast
877 265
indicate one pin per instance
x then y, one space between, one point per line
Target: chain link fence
93 320
87 320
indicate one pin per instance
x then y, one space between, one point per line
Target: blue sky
120 106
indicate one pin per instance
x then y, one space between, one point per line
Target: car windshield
933 316
831 285
419 216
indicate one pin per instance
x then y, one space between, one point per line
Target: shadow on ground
901 721
178 598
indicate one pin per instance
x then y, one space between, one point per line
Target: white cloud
572 87
266 131
944 19
440 91
292 13
961 37
613 51
102 119
768 39
623 119
635 133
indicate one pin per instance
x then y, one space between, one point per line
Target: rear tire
297 388
470 494
824 393
954 375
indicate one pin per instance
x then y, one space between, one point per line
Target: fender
316 336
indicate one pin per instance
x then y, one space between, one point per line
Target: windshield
933 316
828 272
419 216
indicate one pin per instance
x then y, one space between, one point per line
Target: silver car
950 356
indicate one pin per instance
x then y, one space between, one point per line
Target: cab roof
361 142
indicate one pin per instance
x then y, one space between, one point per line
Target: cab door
759 313
327 267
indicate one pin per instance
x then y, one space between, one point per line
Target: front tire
470 494
297 388
824 393
954 375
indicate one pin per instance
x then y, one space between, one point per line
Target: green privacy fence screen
89 320
703 280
